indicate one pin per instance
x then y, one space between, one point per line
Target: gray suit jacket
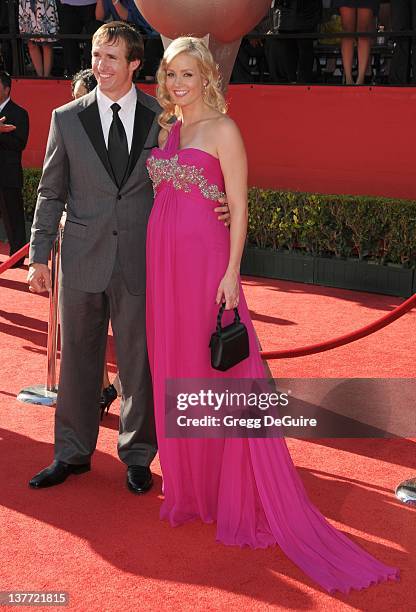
103 221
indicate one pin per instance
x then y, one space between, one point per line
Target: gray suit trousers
84 326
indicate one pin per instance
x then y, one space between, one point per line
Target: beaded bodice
185 169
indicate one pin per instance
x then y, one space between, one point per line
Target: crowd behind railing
298 41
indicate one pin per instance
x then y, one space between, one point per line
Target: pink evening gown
250 487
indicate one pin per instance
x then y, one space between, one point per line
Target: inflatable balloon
226 20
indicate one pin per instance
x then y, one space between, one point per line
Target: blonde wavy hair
212 93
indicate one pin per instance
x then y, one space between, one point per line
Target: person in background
123 10
126 10
76 17
39 17
6 62
403 17
12 142
294 57
356 16
255 48
82 83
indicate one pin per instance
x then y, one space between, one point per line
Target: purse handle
220 313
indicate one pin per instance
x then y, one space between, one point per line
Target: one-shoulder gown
248 486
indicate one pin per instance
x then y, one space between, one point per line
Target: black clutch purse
229 345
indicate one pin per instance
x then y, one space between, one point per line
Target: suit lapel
8 107
90 119
143 119
9 111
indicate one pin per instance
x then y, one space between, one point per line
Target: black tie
118 150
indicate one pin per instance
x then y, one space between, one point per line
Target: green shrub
30 188
370 228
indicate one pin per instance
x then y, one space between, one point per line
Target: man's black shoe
139 479
56 473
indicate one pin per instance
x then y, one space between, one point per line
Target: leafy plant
30 188
378 229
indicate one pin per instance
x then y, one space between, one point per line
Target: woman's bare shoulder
226 130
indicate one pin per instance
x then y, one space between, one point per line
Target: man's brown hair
114 31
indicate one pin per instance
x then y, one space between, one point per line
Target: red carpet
108 549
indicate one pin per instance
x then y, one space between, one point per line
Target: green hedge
30 188
378 229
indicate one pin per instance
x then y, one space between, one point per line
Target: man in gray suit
103 256
95 163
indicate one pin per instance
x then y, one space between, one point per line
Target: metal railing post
53 326
14 36
45 395
406 491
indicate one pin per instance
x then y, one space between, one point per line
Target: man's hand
224 210
6 127
39 278
62 221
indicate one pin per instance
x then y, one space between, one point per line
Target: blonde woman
249 486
